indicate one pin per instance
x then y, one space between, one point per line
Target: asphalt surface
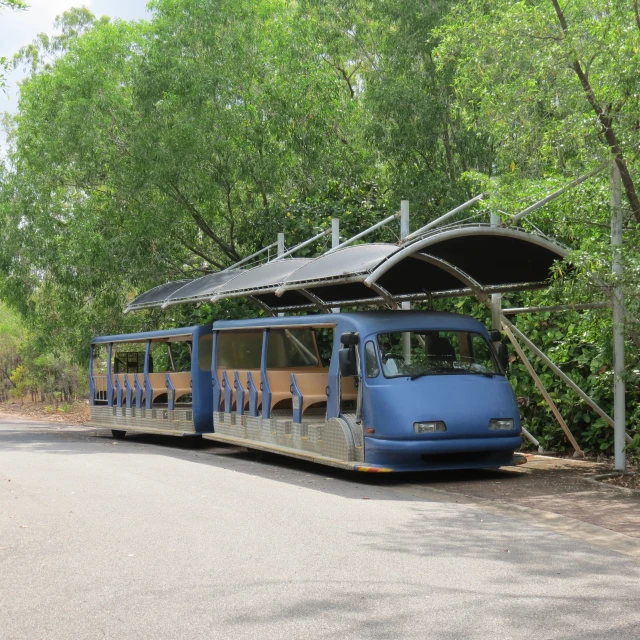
147 539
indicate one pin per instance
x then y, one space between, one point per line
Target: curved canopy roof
461 260
155 297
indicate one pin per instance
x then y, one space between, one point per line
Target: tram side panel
291 410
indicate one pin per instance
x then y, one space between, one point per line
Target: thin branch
199 253
343 72
178 196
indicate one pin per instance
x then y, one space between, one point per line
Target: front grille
466 457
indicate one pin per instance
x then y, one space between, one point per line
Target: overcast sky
21 27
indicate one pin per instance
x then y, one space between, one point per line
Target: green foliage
11 337
26 370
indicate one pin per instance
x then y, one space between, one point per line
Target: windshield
418 353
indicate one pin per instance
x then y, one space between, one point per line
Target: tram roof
364 321
162 335
448 262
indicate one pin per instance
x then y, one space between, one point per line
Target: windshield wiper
446 370
430 372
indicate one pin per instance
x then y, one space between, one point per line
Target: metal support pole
306 243
280 244
581 306
335 232
253 255
496 298
551 196
109 375
280 253
446 216
545 394
406 306
533 440
335 242
619 417
363 233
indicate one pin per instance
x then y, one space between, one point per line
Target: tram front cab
435 394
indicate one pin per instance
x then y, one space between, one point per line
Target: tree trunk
606 122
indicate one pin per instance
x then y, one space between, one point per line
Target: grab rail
297 400
253 395
171 393
239 394
129 390
136 384
228 393
118 391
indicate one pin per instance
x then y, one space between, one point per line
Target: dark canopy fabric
201 289
496 256
453 261
156 296
260 278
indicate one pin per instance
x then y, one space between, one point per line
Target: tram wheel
118 434
258 454
191 442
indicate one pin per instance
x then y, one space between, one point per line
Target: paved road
145 539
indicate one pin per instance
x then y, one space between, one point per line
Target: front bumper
463 453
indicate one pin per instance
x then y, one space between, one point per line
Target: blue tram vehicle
371 404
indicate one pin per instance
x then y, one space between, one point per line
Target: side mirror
347 361
350 339
503 355
495 335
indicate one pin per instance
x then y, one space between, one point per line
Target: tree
136 161
556 88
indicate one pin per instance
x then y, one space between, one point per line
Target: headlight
501 424
429 427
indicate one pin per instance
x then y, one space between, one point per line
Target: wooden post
545 394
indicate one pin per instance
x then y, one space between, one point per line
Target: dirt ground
557 485
77 413
628 481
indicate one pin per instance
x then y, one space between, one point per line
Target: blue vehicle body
465 403
391 406
379 434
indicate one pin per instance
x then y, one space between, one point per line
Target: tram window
324 343
371 360
239 349
205 344
435 352
128 358
181 352
161 362
292 348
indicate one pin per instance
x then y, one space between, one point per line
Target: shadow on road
54 439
